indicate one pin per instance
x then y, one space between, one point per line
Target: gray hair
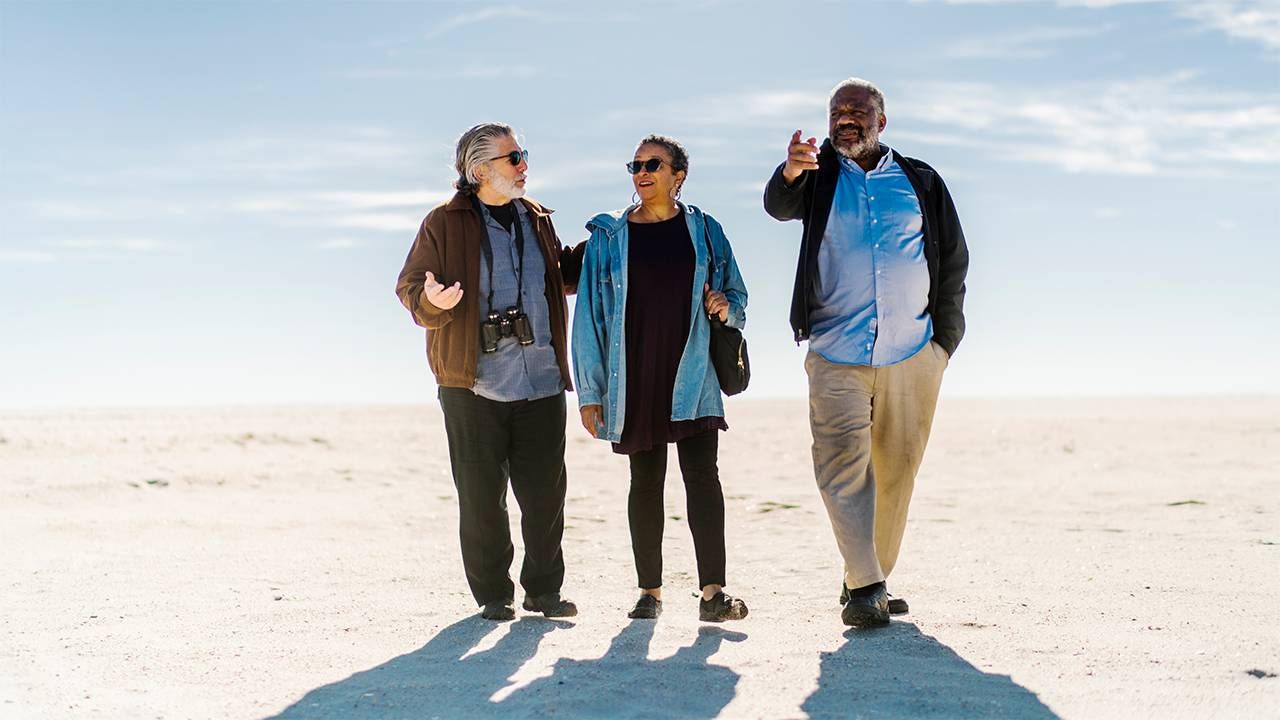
475 148
855 82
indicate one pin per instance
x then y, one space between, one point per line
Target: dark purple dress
659 296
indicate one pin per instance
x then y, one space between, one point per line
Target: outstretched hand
440 296
801 156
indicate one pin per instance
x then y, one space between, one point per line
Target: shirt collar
491 221
886 160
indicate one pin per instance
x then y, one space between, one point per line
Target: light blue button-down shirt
515 371
872 288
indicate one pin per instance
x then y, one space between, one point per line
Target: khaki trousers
870 427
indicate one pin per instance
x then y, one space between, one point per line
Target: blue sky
210 202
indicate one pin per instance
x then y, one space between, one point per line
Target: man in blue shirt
879 295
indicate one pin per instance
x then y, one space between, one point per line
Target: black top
945 251
504 214
659 309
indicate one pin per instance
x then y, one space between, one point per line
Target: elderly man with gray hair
487 278
879 295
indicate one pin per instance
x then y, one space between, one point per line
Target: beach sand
1085 558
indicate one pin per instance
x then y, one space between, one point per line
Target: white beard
870 145
505 187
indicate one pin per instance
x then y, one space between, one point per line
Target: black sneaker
721 607
550 605
897 605
867 606
647 607
498 610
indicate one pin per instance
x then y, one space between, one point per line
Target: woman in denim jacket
641 362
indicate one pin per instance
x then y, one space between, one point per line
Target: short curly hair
679 156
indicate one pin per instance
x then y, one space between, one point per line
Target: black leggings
705 510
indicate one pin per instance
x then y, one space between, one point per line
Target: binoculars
512 323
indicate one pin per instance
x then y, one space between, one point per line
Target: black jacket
945 251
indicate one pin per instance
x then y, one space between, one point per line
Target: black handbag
728 346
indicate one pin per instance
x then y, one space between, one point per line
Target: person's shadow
434 681
899 672
680 686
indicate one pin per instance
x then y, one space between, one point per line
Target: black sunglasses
650 165
515 157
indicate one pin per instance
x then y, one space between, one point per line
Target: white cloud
384 211
340 244
480 16
740 109
1258 21
478 71
405 223
1030 43
134 244
500 71
63 210
393 198
1145 126
26 256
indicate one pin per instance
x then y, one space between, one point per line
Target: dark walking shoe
647 607
897 605
867 606
721 607
550 605
498 610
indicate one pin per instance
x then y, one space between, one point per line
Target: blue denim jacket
599 321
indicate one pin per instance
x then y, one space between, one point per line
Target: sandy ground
1077 559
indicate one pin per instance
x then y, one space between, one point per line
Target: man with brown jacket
487 278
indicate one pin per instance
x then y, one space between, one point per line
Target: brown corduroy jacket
448 245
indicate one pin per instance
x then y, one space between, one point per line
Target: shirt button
873 197
873 221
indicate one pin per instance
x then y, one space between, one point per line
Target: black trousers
491 443
704 508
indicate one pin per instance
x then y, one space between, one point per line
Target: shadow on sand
436 681
894 672
624 682
899 672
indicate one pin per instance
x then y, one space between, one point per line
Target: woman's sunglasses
650 165
515 157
